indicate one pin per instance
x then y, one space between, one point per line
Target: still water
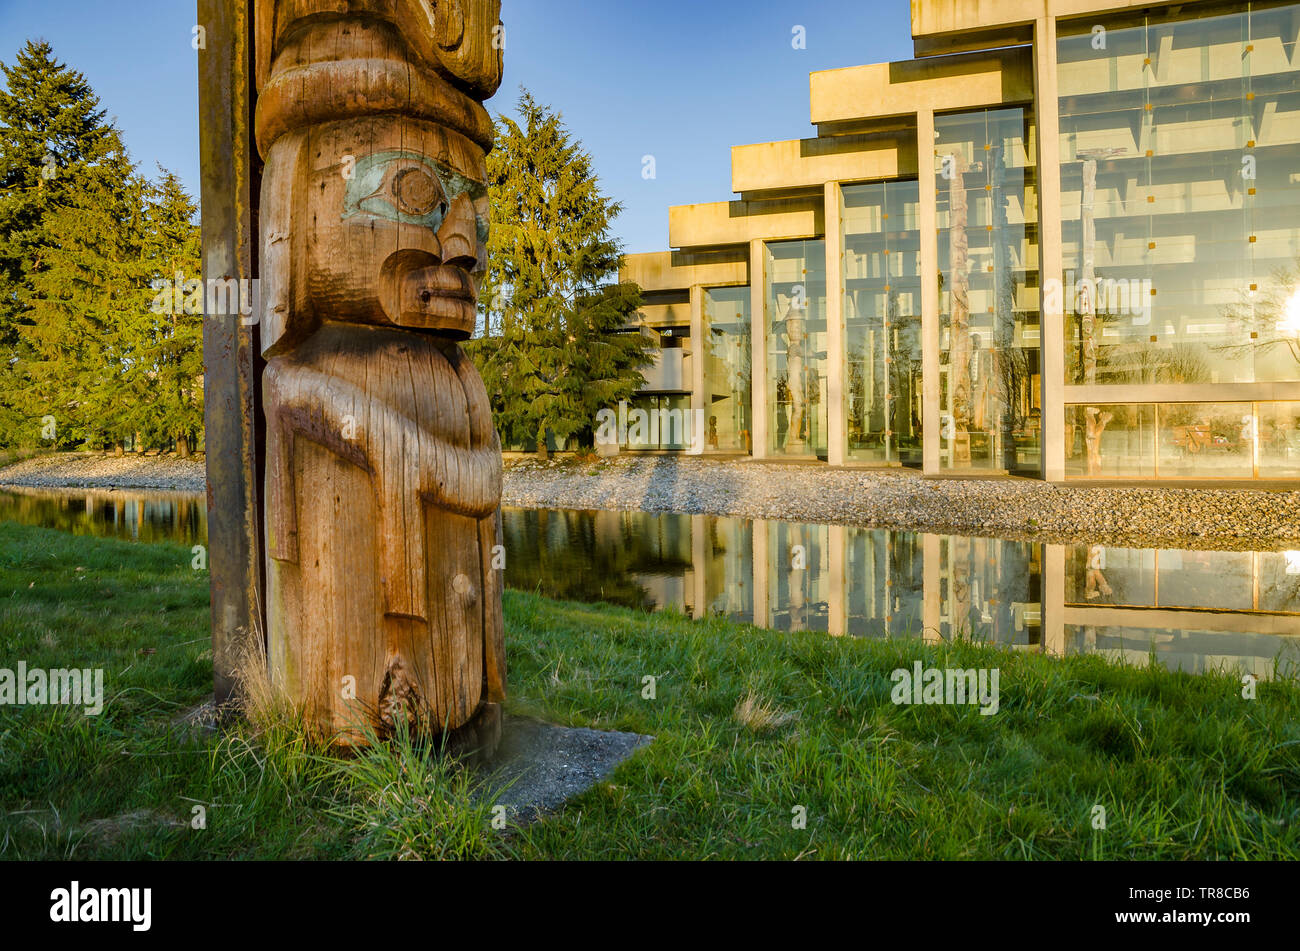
141 516
1191 610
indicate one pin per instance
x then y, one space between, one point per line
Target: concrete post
837 435
928 225
699 357
758 356
1050 251
931 589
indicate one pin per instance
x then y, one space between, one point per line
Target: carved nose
459 234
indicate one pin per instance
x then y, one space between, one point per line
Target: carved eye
417 193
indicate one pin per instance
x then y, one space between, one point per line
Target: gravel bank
87 470
1017 508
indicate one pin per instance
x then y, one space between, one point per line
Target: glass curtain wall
727 359
990 408
795 335
882 321
1180 140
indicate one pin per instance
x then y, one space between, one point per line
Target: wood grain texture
383 467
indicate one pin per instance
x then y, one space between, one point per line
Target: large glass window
1180 140
727 349
882 321
795 325
1279 441
1113 441
990 411
1175 440
659 422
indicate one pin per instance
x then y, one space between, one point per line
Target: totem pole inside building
382 465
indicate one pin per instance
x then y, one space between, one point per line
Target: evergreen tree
552 355
169 381
59 157
82 342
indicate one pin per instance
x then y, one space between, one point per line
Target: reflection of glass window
798 576
990 590
988 291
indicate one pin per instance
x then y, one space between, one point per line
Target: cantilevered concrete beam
727 223
884 90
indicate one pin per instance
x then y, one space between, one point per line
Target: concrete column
1051 269
699 354
758 356
929 229
837 437
1054 599
837 589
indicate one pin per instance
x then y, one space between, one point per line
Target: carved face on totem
385 144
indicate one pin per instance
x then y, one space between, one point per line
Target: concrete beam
884 90
725 223
807 163
947 26
679 270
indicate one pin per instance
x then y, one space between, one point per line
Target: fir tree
169 382
61 162
552 355
82 341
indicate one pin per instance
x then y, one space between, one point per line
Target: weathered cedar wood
383 467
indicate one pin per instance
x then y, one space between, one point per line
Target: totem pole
383 468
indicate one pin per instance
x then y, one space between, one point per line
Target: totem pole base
478 739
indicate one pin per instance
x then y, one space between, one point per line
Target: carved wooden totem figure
383 468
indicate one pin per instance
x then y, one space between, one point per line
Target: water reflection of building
1195 610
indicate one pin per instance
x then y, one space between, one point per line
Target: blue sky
682 80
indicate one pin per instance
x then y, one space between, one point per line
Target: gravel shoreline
1239 519
1157 517
94 470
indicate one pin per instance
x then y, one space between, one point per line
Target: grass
749 725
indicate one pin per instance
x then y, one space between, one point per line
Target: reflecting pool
1190 610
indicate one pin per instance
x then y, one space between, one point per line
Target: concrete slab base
538 766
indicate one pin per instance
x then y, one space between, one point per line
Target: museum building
1063 242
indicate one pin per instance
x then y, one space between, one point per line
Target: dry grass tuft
758 715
